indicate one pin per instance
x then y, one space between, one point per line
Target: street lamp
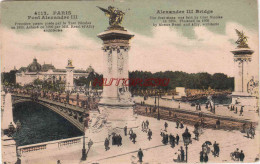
84 154
186 139
158 116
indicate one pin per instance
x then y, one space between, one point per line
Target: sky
188 49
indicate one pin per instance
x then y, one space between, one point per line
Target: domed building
34 67
46 72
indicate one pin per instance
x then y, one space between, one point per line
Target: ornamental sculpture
115 16
242 40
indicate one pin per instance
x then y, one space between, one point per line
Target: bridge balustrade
51 145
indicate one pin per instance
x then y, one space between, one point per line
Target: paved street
154 151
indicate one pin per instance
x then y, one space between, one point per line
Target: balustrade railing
51 145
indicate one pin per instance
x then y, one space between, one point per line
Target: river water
40 124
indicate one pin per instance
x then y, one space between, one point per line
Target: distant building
46 72
180 93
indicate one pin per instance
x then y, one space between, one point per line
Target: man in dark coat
140 155
216 149
119 140
150 133
241 156
165 126
173 141
177 139
182 154
134 137
241 111
106 144
218 124
125 130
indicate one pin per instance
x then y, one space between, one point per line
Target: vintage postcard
129 82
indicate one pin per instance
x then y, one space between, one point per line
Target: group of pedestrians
169 138
145 126
132 135
116 139
238 155
179 124
235 109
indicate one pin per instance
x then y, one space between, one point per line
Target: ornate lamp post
85 124
158 93
186 139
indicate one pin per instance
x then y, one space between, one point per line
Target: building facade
47 72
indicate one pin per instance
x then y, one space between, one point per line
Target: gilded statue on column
115 16
242 40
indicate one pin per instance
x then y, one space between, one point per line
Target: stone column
115 47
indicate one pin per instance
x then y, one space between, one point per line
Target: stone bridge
72 113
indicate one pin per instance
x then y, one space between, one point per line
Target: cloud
209 52
19 49
165 49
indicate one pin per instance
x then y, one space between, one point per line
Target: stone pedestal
115 49
242 95
8 150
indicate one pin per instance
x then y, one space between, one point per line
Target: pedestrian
106 144
177 139
143 125
146 110
181 125
165 126
131 134
236 110
173 141
150 134
119 140
177 124
218 124
134 137
140 155
179 105
147 124
196 134
206 158
241 156
90 143
125 130
150 109
201 156
182 154
113 139
216 149
58 162
166 138
199 107
241 111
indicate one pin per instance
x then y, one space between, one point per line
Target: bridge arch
71 113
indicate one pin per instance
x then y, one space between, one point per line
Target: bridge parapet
28 150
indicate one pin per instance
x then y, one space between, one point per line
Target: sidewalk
222 110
